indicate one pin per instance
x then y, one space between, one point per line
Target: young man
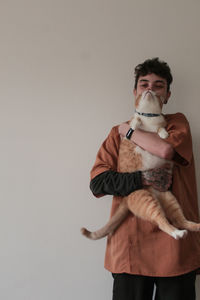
138 254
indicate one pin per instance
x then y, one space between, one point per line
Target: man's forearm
152 143
149 141
122 184
115 183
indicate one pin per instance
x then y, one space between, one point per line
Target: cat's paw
179 234
135 122
163 134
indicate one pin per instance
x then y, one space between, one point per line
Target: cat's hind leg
174 212
145 205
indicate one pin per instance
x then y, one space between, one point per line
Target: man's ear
167 97
134 92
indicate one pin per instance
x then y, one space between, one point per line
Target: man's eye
159 86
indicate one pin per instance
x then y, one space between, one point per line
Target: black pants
136 287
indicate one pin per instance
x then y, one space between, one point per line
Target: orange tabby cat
148 203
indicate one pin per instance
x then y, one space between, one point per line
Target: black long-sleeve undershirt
115 183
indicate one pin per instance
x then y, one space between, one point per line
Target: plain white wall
66 77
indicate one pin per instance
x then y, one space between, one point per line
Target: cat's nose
151 92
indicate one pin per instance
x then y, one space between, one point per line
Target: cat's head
149 102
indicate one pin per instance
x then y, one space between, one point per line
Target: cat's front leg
135 123
162 132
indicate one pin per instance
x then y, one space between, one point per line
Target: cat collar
147 114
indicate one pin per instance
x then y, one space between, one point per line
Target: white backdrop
66 77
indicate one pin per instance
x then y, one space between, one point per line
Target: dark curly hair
155 66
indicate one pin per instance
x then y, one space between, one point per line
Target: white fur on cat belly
178 234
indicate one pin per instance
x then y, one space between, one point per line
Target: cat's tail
110 227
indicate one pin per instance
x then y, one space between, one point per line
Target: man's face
154 83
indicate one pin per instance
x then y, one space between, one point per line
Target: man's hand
160 178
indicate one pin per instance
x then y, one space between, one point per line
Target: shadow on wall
196 147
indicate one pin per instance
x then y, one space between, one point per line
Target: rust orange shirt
138 246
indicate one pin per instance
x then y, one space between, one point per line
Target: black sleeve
115 183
